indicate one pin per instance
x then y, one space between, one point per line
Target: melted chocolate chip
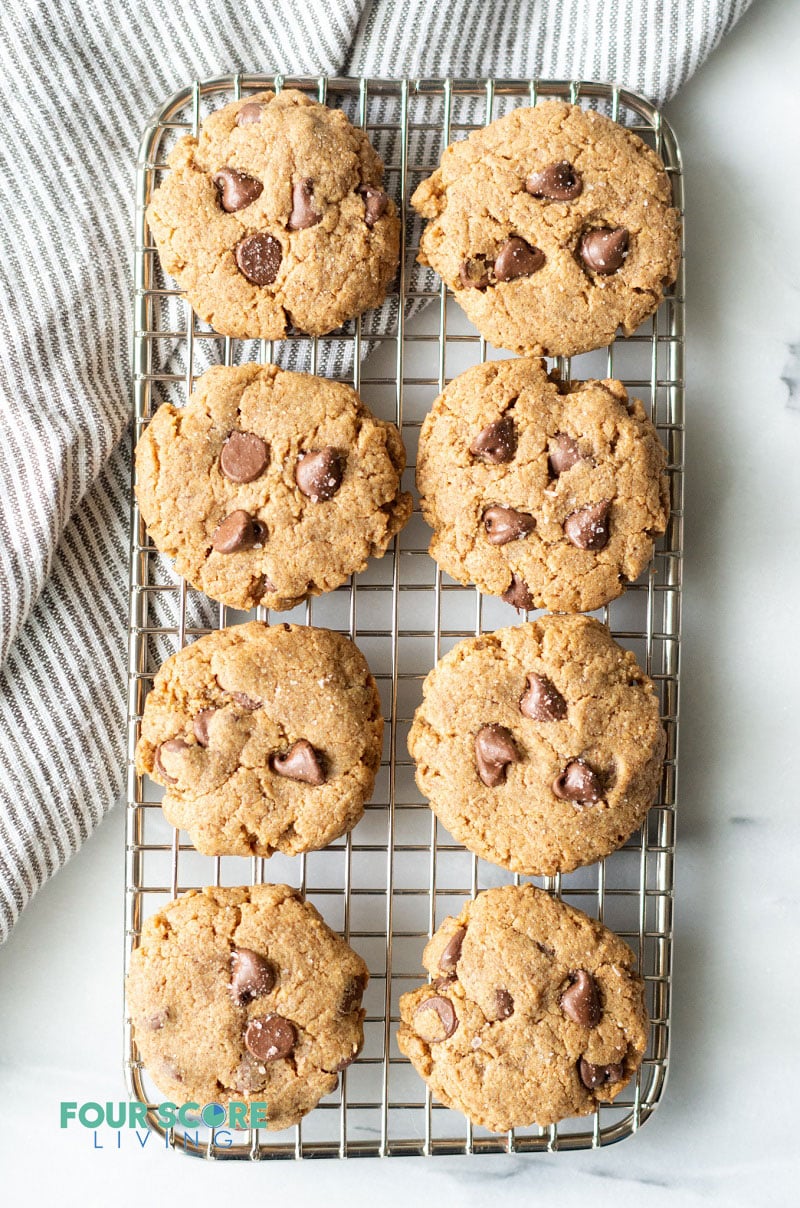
556 182
270 1037
252 975
506 524
172 746
301 762
593 1076
236 189
319 474
474 272
494 751
452 951
518 594
156 1021
563 454
604 249
353 993
589 527
580 1002
446 1012
200 723
578 783
250 113
251 703
497 442
237 531
258 257
517 258
375 203
244 457
542 701
303 213
504 1004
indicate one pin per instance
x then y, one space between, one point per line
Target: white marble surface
724 1133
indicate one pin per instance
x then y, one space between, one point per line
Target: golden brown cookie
540 746
245 994
547 494
276 216
554 226
266 738
270 486
535 1014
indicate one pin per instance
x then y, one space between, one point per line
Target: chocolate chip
494 751
504 1004
259 257
155 1022
247 1076
236 189
244 457
250 703
375 203
250 113
171 746
452 951
200 723
353 993
303 213
542 701
564 454
589 528
604 249
581 1000
497 442
556 182
517 258
441 983
301 762
319 474
252 975
593 1076
474 272
579 783
236 532
446 1012
518 594
506 524
270 1037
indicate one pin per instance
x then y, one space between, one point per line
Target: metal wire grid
387 886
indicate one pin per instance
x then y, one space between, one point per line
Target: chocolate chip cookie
535 1014
245 994
270 486
548 494
540 746
554 227
276 217
266 738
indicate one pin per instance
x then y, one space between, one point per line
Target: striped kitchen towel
78 84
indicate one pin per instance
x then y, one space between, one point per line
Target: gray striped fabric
78 84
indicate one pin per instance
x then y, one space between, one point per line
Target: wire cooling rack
389 884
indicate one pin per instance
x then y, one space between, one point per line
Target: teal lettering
258 1114
112 1120
90 1115
187 1115
137 1114
68 1111
165 1114
237 1115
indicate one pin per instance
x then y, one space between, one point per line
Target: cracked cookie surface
536 1013
266 738
547 494
554 227
270 486
539 746
276 216
245 994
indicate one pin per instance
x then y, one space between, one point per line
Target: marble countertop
723 1134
